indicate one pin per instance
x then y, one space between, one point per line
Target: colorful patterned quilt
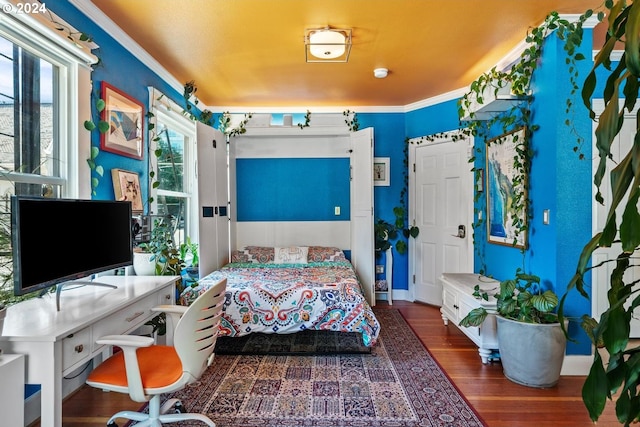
286 298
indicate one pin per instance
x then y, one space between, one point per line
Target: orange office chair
146 371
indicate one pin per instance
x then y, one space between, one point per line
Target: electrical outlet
337 210
379 269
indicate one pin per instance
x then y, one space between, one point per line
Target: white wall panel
293 233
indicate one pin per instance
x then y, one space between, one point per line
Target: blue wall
121 69
559 181
307 189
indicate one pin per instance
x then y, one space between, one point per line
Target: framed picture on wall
126 186
125 116
381 171
505 219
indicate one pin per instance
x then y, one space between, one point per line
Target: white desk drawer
125 320
76 348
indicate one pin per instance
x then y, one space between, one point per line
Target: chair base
157 415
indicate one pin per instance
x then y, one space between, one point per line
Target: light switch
337 210
545 217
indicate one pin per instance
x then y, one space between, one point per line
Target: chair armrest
174 313
170 308
134 341
129 344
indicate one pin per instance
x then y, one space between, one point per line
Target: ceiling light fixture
327 44
380 73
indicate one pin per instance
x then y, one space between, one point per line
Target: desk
57 343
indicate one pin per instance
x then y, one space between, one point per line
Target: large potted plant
615 371
531 339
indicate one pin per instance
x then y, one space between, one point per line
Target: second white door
442 208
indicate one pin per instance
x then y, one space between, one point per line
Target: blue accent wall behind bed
292 189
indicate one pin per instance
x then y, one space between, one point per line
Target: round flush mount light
380 73
327 44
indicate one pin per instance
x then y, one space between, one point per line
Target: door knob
461 232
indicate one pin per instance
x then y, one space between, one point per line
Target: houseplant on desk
161 251
531 340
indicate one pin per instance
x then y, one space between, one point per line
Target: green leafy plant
619 378
189 253
307 120
224 123
520 298
384 234
97 171
352 122
166 253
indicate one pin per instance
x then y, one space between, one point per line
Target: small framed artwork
381 171
126 186
502 217
125 116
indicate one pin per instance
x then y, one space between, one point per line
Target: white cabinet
458 301
12 389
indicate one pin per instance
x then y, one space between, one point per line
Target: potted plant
161 251
615 371
383 232
531 339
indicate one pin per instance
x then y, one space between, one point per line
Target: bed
284 290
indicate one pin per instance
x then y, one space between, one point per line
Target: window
174 140
44 92
29 144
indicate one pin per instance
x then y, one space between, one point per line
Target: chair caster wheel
112 424
179 408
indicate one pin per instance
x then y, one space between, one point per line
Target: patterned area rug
398 384
309 342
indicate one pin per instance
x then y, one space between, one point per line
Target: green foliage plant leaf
632 39
474 318
594 390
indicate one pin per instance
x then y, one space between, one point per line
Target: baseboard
576 365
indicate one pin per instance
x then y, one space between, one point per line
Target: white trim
43 32
576 365
168 112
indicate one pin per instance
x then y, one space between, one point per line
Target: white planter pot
531 353
143 265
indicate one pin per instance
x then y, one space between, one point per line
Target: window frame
165 111
40 35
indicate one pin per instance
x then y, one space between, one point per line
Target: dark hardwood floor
499 402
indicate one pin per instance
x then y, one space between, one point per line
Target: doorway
441 205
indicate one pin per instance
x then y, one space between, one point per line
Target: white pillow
291 255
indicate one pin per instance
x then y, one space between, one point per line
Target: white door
441 202
362 240
213 228
602 274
